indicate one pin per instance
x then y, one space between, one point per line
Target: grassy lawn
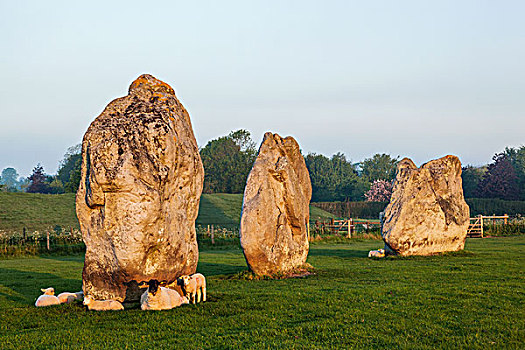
471 300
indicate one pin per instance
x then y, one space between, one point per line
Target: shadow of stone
73 257
29 283
214 269
339 253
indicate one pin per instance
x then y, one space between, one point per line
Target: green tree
516 156
69 168
243 139
379 167
56 186
471 177
74 177
227 162
9 180
334 179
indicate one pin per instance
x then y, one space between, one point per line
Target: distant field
37 212
225 208
466 300
43 211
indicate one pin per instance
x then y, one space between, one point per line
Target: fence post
481 217
308 229
349 228
212 235
47 236
505 219
24 233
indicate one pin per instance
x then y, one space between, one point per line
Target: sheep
194 285
160 298
48 298
66 297
102 305
379 253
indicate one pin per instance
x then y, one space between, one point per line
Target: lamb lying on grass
102 305
48 298
194 285
66 297
380 253
160 298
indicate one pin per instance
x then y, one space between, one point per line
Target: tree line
67 178
228 160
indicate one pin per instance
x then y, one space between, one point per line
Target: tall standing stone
139 193
275 211
427 213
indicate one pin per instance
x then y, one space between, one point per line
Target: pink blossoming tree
380 191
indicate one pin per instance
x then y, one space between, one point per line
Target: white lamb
48 298
160 298
379 253
66 297
102 305
194 285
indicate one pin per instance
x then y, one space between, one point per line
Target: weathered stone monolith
427 213
275 211
139 193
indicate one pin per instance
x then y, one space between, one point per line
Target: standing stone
141 182
427 213
275 211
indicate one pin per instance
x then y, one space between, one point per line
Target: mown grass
38 212
469 300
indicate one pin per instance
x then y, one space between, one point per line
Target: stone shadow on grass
79 258
214 269
29 283
339 253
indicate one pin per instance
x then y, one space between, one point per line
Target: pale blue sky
412 78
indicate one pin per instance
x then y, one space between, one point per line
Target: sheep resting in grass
66 297
380 253
102 305
48 298
194 286
160 298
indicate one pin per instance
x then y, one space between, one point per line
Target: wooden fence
475 228
345 227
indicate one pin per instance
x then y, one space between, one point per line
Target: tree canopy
9 180
379 167
334 179
227 162
471 177
68 176
500 180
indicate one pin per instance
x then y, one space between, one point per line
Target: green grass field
470 300
36 211
44 211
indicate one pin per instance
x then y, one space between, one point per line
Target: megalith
141 182
427 213
275 210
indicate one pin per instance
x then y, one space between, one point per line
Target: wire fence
59 240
